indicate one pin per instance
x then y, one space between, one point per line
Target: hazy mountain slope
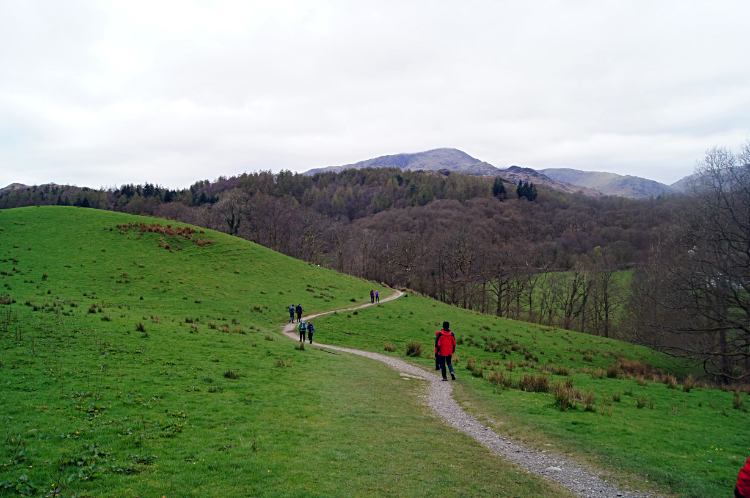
681 185
517 173
431 160
609 183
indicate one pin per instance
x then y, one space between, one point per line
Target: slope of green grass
128 369
670 440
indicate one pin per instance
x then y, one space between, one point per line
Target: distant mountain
517 173
431 160
633 187
681 185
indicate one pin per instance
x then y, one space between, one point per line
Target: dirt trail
584 482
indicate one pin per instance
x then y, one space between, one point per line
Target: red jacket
445 343
743 481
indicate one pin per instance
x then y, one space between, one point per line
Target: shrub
565 394
496 378
613 371
688 383
534 383
588 400
389 347
671 381
414 348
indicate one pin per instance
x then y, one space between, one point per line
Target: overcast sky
112 92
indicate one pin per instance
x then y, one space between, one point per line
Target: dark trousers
302 336
291 316
437 362
299 316
442 361
309 336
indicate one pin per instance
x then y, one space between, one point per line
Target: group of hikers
302 327
374 297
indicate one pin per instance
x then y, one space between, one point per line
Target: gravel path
548 465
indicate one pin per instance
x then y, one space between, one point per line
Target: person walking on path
310 331
372 296
302 328
445 346
291 314
742 489
437 356
299 312
377 296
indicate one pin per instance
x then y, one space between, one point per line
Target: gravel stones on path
581 481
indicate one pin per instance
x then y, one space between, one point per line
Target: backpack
301 327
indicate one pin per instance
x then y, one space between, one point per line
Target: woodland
669 272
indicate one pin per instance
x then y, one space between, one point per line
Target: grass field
692 443
146 363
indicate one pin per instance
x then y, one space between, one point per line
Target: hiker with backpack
377 296
302 328
291 314
437 356
742 489
299 312
310 331
372 296
445 346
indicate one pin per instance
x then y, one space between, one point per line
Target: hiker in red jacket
445 346
437 356
742 490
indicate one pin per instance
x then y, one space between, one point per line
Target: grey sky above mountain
108 92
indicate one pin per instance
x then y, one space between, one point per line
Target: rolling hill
141 356
633 187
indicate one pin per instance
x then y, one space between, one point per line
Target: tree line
479 243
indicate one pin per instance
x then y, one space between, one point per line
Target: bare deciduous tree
702 309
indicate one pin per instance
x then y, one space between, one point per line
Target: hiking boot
445 380
453 376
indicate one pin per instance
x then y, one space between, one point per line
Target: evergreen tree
498 189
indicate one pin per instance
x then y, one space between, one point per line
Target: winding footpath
584 482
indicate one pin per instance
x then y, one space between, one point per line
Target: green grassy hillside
693 442
140 363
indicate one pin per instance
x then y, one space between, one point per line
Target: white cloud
170 92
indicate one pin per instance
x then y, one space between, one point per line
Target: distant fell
682 184
633 187
431 160
538 178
